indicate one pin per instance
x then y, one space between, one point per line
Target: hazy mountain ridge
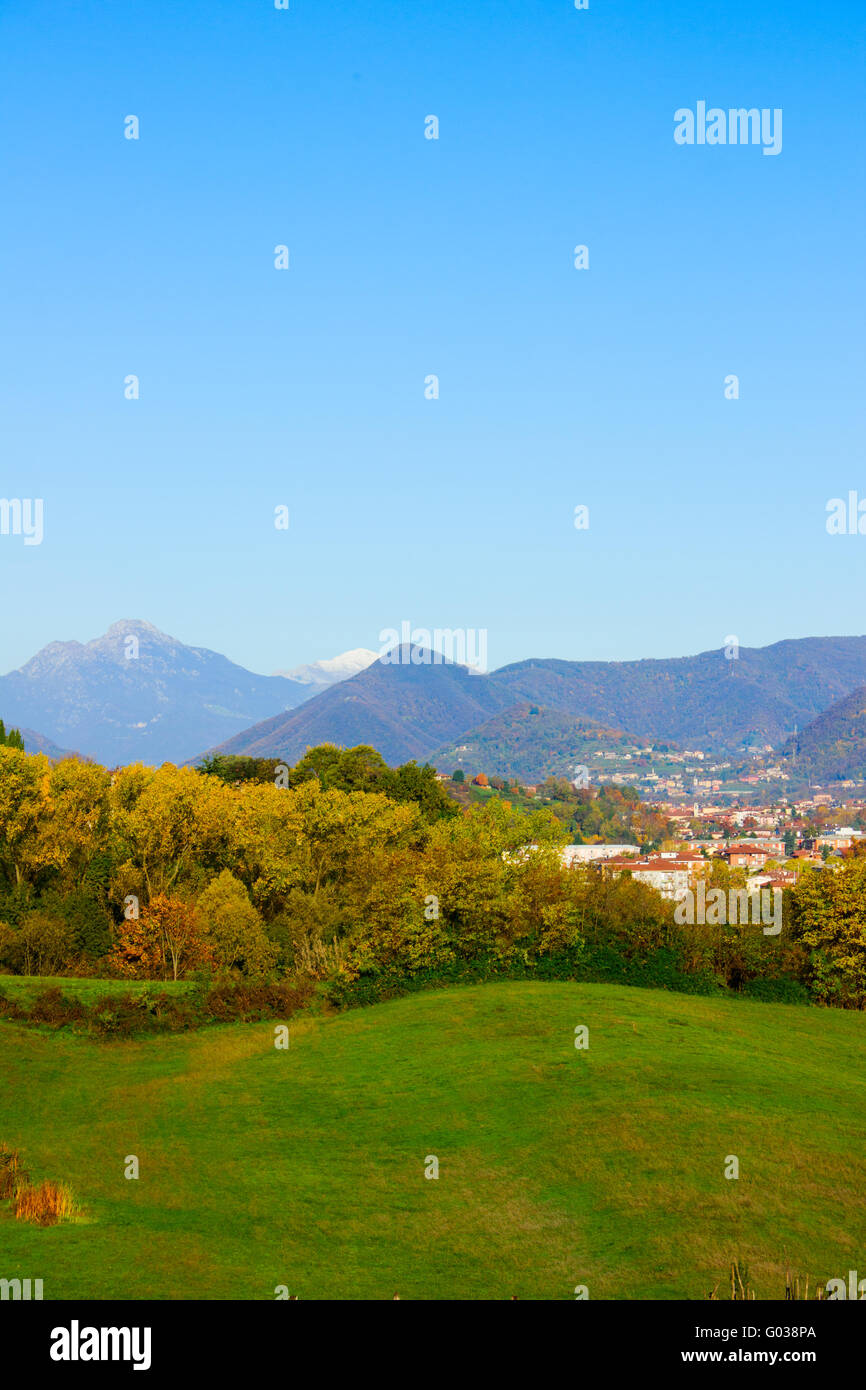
37 743
760 696
137 694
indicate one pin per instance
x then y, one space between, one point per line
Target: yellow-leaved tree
828 908
24 810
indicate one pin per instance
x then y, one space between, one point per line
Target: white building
670 877
585 854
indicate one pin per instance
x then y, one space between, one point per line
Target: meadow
24 988
558 1167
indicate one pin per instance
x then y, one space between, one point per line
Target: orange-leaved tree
166 939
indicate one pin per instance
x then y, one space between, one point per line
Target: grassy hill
558 1167
529 742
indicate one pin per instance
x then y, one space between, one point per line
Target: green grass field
23 988
558 1167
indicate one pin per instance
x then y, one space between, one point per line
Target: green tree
233 928
12 739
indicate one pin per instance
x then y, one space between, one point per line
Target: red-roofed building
746 856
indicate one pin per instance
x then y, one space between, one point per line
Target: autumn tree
75 819
172 825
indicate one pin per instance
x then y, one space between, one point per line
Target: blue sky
408 257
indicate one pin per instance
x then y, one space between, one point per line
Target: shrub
119 1015
777 991
307 932
10 1008
247 1003
132 1013
51 1006
85 916
44 1204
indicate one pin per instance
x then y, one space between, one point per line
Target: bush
234 929
51 1006
226 1003
40 944
598 964
44 1204
778 991
10 1008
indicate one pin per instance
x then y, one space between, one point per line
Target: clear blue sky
408 257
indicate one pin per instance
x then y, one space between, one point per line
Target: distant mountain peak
134 625
321 674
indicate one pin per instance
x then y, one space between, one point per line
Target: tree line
367 879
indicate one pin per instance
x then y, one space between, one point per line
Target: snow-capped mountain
320 674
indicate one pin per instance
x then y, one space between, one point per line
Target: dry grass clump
741 1286
43 1204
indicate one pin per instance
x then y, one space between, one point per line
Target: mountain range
416 708
758 697
137 694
